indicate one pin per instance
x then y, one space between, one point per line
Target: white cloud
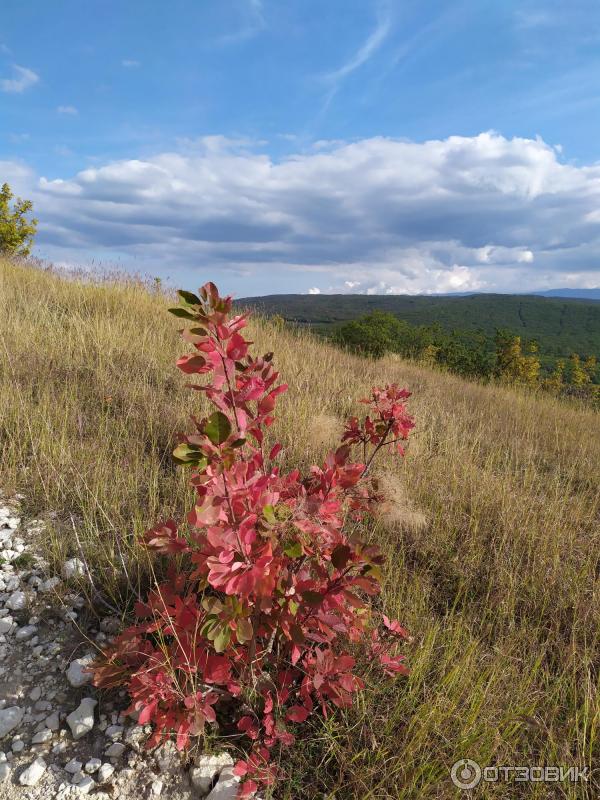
376 215
365 51
314 290
130 63
67 110
24 78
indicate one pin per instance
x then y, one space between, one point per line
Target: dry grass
493 542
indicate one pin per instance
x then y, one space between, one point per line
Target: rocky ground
59 738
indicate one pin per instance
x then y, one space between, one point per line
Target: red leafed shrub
270 593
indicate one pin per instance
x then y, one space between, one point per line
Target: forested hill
561 326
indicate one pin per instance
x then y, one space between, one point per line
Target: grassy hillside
493 543
561 326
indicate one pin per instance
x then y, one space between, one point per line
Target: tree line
504 357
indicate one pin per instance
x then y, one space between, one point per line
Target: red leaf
240 769
193 364
394 627
297 714
247 789
147 712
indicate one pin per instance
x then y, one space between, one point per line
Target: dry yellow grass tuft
497 577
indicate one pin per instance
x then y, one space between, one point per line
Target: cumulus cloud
67 110
377 215
23 79
130 63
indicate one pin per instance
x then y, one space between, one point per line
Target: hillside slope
561 326
493 540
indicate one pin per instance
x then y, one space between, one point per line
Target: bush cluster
268 596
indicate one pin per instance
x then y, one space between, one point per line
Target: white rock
9 718
168 758
33 773
93 765
17 745
206 769
135 736
227 786
6 625
42 736
17 601
105 772
86 785
114 731
76 674
156 788
115 750
4 772
35 693
24 633
73 766
49 585
81 721
53 721
73 568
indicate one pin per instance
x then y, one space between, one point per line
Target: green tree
16 229
374 335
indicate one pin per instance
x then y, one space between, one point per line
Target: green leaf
199 331
188 454
293 550
293 607
181 312
238 443
188 297
209 628
269 515
221 640
217 427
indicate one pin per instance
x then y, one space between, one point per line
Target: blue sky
295 145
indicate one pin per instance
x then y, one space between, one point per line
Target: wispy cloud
254 11
130 63
24 79
18 138
67 110
366 51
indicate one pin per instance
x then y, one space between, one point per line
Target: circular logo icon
465 773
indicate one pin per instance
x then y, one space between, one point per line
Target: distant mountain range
561 325
584 294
